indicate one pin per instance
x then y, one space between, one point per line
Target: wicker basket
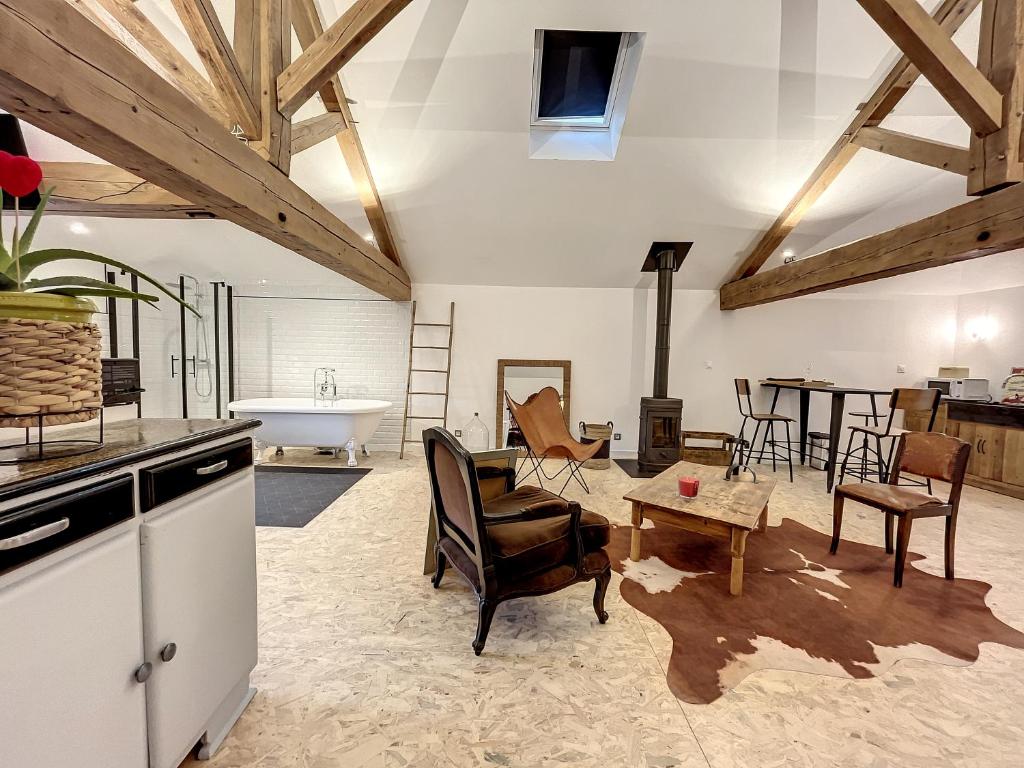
590 433
49 367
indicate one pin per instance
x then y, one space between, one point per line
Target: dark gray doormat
289 497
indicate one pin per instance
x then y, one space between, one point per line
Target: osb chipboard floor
362 663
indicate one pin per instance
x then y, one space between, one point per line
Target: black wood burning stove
661 416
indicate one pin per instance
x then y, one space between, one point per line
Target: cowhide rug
802 609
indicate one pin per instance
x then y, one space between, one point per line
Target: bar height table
838 394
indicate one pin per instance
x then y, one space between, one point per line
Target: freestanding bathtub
303 422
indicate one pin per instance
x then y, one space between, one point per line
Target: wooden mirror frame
565 365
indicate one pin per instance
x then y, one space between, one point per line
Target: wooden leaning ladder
447 371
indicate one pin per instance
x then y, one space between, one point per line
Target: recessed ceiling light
78 228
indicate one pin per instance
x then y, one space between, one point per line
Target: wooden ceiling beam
323 57
275 29
998 158
308 29
211 43
95 189
311 132
937 154
130 27
61 73
933 52
949 15
246 42
980 227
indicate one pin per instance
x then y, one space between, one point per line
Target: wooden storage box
712 455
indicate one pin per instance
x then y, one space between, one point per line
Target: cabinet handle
142 673
36 534
213 468
168 652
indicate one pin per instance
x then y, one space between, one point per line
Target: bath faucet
324 387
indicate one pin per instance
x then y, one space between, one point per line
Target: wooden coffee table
722 509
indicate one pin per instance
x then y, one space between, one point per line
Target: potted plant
49 346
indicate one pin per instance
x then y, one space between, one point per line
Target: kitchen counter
124 442
128 577
986 413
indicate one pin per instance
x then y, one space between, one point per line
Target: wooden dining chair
871 435
928 454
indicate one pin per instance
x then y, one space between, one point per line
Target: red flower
4 158
19 175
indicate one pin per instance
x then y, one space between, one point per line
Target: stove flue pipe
662 340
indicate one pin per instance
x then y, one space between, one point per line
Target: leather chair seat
594 529
520 549
894 497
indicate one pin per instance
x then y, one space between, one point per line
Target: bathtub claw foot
350 446
365 452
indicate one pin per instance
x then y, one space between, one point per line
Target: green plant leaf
76 281
31 261
6 284
5 256
111 292
33 224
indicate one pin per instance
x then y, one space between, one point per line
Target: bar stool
866 449
769 420
903 399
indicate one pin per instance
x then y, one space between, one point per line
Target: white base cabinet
128 624
70 640
199 609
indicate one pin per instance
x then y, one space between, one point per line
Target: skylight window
576 77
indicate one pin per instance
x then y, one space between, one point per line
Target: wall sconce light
981 328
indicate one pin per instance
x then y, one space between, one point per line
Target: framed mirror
521 378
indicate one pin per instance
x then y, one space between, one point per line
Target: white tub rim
306 405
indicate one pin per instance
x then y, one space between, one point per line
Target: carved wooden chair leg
600 589
902 543
837 521
950 544
442 561
486 613
890 518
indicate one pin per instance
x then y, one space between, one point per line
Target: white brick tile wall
283 336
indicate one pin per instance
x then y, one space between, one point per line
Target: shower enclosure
190 351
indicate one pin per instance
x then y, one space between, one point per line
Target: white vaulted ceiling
735 102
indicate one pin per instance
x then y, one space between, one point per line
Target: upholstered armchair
522 543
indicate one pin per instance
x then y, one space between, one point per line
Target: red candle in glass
688 486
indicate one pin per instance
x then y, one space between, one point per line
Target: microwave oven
961 389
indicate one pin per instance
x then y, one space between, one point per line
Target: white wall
608 334
998 315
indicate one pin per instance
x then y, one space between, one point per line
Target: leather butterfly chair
928 454
525 542
542 423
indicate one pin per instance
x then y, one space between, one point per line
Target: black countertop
124 442
986 413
